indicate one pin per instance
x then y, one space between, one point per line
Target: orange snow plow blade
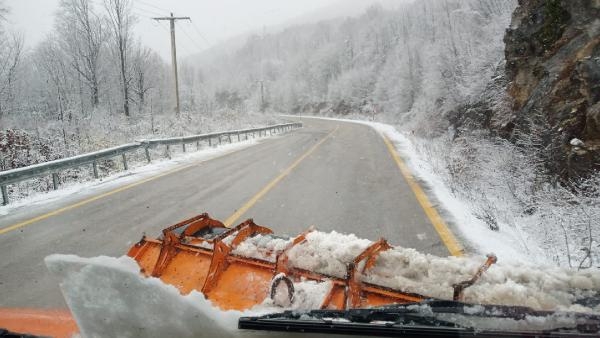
202 254
46 323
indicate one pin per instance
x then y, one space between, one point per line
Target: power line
199 32
152 9
200 48
134 9
152 13
185 49
153 6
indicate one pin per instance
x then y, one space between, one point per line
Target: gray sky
213 20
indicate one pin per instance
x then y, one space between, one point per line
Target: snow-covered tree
120 21
82 34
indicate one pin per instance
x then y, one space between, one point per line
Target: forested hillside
411 63
499 98
90 84
438 70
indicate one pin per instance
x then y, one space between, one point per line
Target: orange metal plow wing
238 268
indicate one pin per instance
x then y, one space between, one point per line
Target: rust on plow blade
198 254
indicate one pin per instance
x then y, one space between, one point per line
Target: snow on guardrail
52 167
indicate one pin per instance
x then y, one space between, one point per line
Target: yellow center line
106 194
252 201
438 222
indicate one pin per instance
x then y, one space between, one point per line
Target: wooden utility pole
262 95
174 55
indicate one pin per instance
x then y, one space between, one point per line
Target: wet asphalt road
348 183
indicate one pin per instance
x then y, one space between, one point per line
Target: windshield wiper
426 319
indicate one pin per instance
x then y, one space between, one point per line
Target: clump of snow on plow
327 253
538 287
261 247
542 288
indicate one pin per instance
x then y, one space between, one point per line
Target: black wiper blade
389 330
409 320
404 315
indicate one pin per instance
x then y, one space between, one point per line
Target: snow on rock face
577 142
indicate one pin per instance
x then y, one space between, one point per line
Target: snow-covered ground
469 228
137 172
476 236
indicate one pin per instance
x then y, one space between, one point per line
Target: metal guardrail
53 167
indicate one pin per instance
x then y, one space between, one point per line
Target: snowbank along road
334 175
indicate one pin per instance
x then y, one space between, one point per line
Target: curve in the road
344 181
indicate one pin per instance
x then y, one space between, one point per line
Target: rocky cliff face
553 69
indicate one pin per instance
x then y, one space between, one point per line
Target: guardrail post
4 195
168 152
55 181
220 139
210 141
147 151
229 137
183 147
238 136
95 168
198 145
124 159
246 136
